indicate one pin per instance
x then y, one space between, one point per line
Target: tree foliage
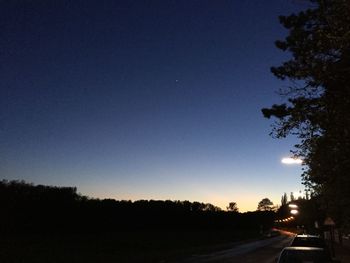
284 199
265 205
292 198
232 207
39 209
317 107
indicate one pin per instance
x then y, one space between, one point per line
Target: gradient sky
144 99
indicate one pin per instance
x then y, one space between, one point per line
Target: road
262 251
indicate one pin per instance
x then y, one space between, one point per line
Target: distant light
290 160
293 206
294 211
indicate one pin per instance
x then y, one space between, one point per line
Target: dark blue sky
144 99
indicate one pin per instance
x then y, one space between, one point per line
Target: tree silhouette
28 208
292 198
284 199
265 205
232 207
318 100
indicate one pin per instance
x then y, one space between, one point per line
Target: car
304 254
309 241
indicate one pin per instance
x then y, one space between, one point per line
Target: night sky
144 99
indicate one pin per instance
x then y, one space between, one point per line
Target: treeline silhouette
28 208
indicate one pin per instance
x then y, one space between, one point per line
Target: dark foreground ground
171 247
148 246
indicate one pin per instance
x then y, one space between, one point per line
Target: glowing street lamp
294 212
290 160
293 209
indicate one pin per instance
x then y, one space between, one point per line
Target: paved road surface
262 251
